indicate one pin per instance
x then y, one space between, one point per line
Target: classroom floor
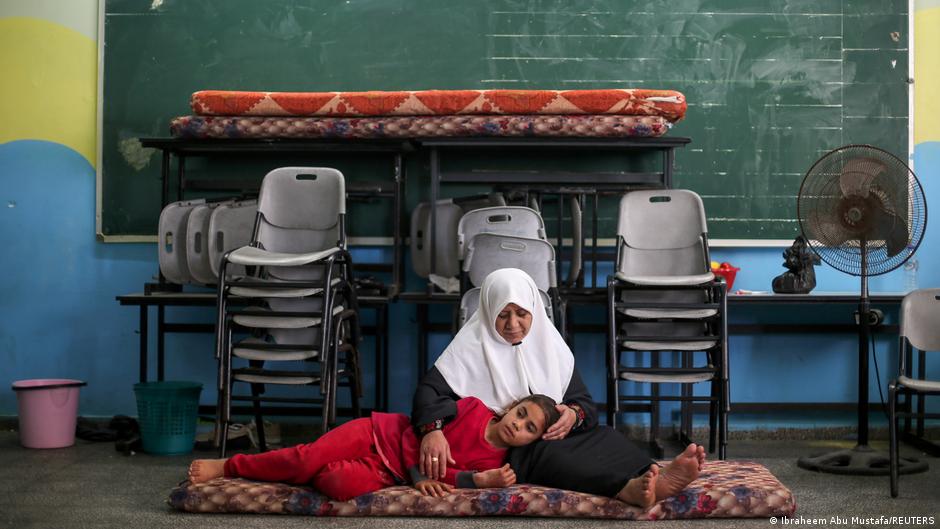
92 485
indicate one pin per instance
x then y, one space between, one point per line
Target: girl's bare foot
641 491
681 471
202 470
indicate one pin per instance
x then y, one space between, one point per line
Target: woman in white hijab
509 349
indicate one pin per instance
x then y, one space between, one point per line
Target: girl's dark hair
545 403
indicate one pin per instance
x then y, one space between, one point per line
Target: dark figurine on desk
800 277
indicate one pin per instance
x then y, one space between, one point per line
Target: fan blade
858 174
890 227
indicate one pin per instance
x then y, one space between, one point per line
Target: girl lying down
368 454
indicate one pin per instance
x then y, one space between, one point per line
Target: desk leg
431 236
385 358
161 332
422 315
398 277
380 374
143 343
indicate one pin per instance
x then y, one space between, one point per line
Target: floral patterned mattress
724 489
668 104
594 126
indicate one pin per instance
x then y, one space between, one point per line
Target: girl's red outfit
365 455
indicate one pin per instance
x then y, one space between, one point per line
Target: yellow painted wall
48 88
927 75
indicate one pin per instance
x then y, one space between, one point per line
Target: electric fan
863 212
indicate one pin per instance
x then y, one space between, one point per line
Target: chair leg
613 401
687 406
354 359
256 391
654 401
893 437
713 416
325 385
334 385
223 411
725 409
355 390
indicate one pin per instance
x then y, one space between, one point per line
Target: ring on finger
434 459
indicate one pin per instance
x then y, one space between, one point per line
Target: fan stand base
860 461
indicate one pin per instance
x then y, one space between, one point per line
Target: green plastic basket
167 412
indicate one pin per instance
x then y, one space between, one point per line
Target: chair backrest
470 302
662 233
197 243
920 319
507 220
171 244
230 226
491 251
300 209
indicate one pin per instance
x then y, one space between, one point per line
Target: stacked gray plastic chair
297 300
446 248
230 227
197 243
194 234
920 330
664 303
172 237
504 237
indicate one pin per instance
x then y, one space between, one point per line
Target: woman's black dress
592 458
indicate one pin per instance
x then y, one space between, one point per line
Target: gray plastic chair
663 299
506 220
488 252
171 244
230 227
449 213
301 304
920 330
448 216
197 243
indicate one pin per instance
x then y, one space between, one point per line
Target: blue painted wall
60 319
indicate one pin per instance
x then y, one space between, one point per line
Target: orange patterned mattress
667 104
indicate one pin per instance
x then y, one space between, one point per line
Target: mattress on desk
589 126
668 104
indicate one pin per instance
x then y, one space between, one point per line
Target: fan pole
864 334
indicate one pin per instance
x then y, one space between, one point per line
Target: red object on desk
727 272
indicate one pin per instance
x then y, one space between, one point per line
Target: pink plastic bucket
48 410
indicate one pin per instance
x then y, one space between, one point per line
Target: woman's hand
435 455
560 429
495 478
432 487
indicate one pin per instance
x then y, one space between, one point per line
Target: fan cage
862 193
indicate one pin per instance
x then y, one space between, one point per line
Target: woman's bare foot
202 470
641 491
681 471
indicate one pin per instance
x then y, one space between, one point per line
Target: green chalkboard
771 84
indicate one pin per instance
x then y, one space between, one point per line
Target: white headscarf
480 363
